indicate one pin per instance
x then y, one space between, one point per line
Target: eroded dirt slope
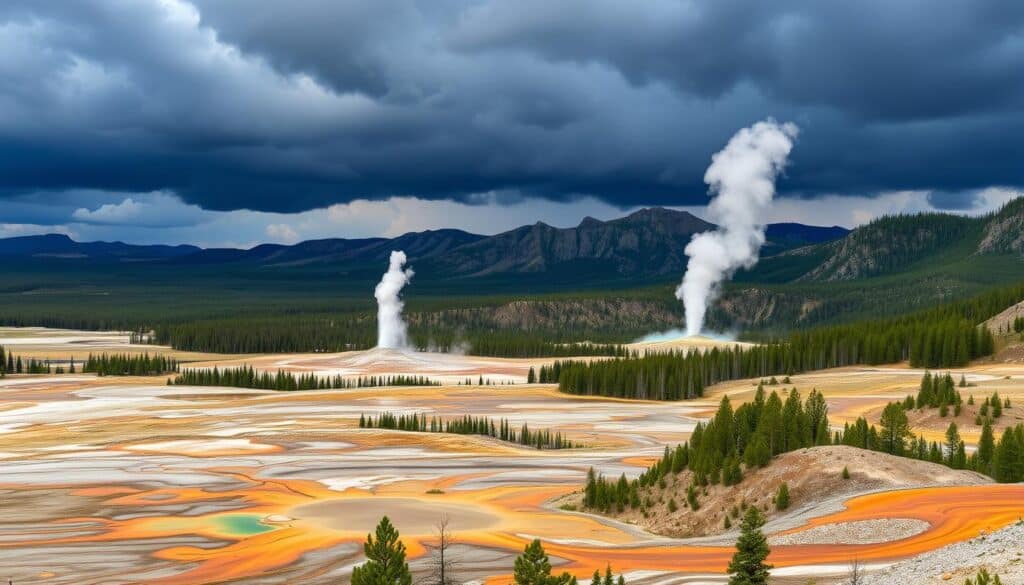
812 475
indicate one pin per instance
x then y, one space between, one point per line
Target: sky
235 122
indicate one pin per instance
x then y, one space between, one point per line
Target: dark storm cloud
955 200
286 106
877 59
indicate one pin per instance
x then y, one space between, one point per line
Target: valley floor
127 480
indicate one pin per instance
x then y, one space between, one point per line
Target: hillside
606 280
888 245
646 244
1004 233
338 251
814 477
904 243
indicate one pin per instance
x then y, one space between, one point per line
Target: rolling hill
62 247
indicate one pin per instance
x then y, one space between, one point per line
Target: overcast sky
232 122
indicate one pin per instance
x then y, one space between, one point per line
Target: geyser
391 329
741 179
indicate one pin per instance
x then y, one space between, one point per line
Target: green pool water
242 524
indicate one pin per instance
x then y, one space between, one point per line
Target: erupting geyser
742 179
391 329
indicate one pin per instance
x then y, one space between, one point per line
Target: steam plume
391 329
742 179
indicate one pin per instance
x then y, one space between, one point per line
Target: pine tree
385 559
782 497
997 405
986 448
1008 462
895 429
533 568
691 498
747 566
952 444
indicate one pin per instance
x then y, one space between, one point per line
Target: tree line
248 377
124 364
941 336
749 436
1002 460
103 365
469 425
334 333
12 364
517 346
946 340
720 449
939 391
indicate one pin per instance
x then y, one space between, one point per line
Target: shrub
782 497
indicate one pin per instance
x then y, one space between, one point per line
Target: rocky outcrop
581 315
888 245
1004 233
649 242
999 553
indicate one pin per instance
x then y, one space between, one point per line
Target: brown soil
1002 323
1011 354
930 419
417 516
813 475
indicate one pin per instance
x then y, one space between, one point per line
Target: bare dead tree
855 574
443 560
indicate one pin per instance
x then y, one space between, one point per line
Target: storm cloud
285 107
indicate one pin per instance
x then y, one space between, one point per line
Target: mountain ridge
646 243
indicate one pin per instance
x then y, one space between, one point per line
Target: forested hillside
604 282
946 336
1004 233
902 243
735 442
889 244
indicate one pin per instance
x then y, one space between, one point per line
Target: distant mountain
340 251
61 246
649 242
645 244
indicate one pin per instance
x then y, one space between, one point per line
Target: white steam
391 329
742 179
